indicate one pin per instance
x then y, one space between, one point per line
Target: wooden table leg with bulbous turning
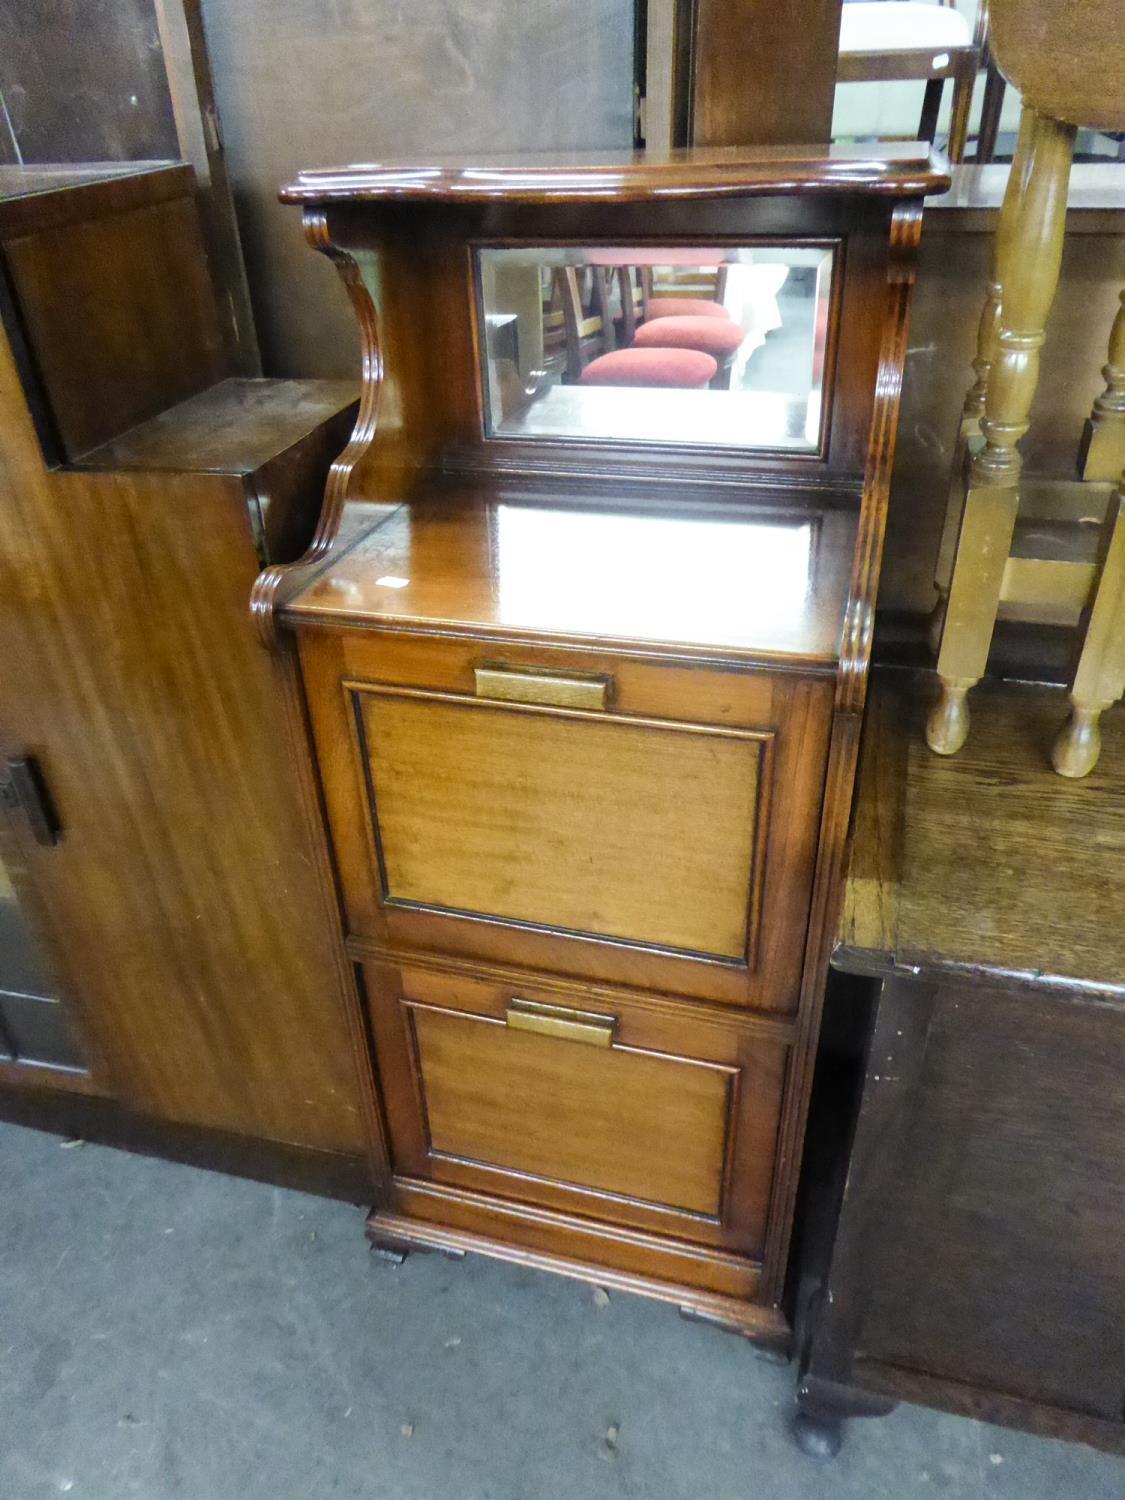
1031 251
1099 679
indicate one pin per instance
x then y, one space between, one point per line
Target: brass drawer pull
559 1020
517 685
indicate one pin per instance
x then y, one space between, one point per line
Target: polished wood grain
276 437
912 895
789 53
707 1285
477 1106
150 330
121 83
850 700
39 197
707 592
897 169
412 426
787 713
1099 676
618 1121
1103 443
192 938
634 829
497 563
236 426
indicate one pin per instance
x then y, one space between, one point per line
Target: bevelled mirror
714 347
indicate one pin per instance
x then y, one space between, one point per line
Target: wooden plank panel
626 1122
760 72
998 1261
150 332
627 829
182 901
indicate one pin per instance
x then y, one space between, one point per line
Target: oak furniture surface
978 1263
583 712
142 488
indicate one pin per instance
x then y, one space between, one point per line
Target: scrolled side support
280 581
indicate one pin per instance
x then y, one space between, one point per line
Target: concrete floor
170 1333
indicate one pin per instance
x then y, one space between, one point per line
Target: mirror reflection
714 345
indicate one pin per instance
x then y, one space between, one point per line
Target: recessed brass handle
527 685
561 1021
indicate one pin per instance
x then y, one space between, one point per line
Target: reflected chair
590 337
720 338
1006 540
640 301
687 369
587 324
892 40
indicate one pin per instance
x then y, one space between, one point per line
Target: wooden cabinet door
637 1112
664 840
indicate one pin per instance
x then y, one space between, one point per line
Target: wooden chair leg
931 108
1030 253
988 333
961 108
985 539
1103 443
994 89
1100 677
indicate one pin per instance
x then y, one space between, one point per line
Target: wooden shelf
761 583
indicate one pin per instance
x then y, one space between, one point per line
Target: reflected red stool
719 337
685 307
689 369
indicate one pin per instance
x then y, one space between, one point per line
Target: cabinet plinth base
387 1230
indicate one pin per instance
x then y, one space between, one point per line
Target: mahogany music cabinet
584 635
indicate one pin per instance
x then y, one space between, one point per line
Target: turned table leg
988 335
1029 273
1100 677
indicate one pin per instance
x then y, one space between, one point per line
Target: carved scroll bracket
280 582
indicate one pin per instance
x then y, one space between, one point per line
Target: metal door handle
561 1021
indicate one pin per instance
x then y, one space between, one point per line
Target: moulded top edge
893 169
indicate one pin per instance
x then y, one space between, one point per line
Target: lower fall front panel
598 1132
